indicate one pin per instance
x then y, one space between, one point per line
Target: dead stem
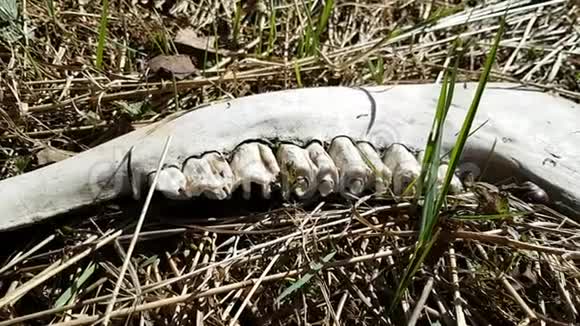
136 234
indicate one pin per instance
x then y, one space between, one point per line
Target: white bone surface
254 163
354 174
455 186
209 175
171 183
297 171
382 175
327 175
404 166
535 134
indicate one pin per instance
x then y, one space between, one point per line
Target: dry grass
510 271
495 272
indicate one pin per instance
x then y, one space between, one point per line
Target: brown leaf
178 65
50 155
189 37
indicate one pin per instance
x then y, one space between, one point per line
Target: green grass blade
431 216
315 267
308 36
378 70
237 22
433 201
487 217
50 7
431 159
427 185
467 123
328 5
322 22
298 74
421 251
272 35
102 34
67 295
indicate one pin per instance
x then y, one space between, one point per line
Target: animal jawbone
326 140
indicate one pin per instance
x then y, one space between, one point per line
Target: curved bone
297 171
254 163
171 183
327 176
529 141
210 175
381 173
354 174
405 167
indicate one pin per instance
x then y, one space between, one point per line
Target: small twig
47 274
27 254
531 314
457 300
136 234
500 240
421 303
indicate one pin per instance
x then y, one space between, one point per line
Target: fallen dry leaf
190 38
179 65
50 155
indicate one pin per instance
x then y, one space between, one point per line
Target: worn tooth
327 175
171 183
210 175
403 165
298 172
255 163
353 171
382 174
455 186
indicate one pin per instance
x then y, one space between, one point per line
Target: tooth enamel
327 175
171 183
297 171
354 173
210 175
403 165
254 163
455 186
381 173
346 168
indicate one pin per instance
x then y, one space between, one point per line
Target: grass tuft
102 34
427 187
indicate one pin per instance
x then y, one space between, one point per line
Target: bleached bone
254 163
297 171
327 175
404 166
381 173
354 174
210 175
529 141
171 183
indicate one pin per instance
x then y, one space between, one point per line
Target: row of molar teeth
347 168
